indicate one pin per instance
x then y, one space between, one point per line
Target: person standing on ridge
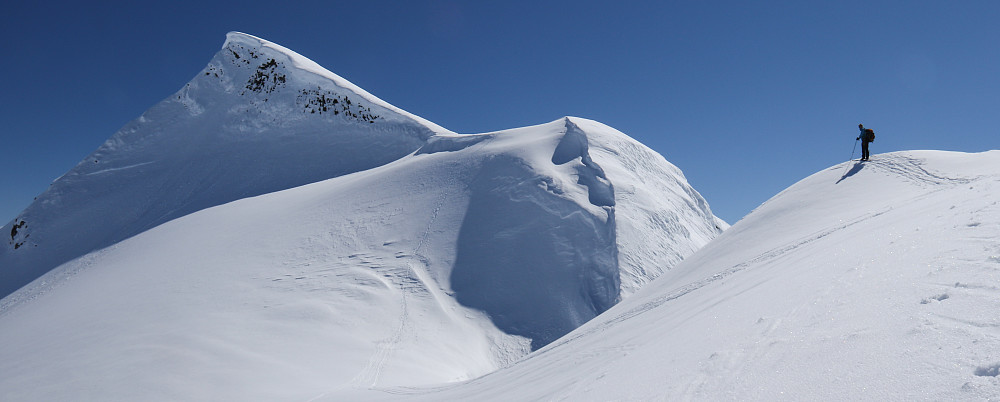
867 136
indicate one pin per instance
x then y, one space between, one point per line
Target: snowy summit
272 232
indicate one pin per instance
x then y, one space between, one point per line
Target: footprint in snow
990 371
940 297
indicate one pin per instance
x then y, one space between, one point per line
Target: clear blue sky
745 97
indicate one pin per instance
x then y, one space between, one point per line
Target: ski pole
852 154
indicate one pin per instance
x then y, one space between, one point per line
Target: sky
747 98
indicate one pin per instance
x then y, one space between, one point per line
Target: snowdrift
274 232
865 281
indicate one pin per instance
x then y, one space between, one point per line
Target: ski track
48 282
406 279
117 169
912 169
417 276
398 278
369 375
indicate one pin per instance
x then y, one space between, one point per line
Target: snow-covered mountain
272 231
258 119
865 281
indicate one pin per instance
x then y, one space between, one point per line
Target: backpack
869 135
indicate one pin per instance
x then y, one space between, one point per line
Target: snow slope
258 119
864 281
442 266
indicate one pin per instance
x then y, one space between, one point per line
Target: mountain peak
240 45
258 118
246 39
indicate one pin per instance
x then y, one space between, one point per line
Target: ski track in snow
369 375
912 169
118 168
414 275
47 283
409 279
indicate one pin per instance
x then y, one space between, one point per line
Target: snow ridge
239 39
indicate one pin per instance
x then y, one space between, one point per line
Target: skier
867 136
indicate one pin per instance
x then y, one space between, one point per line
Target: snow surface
865 281
258 119
258 237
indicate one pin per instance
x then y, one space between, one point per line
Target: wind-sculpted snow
450 143
660 219
535 251
542 274
575 145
